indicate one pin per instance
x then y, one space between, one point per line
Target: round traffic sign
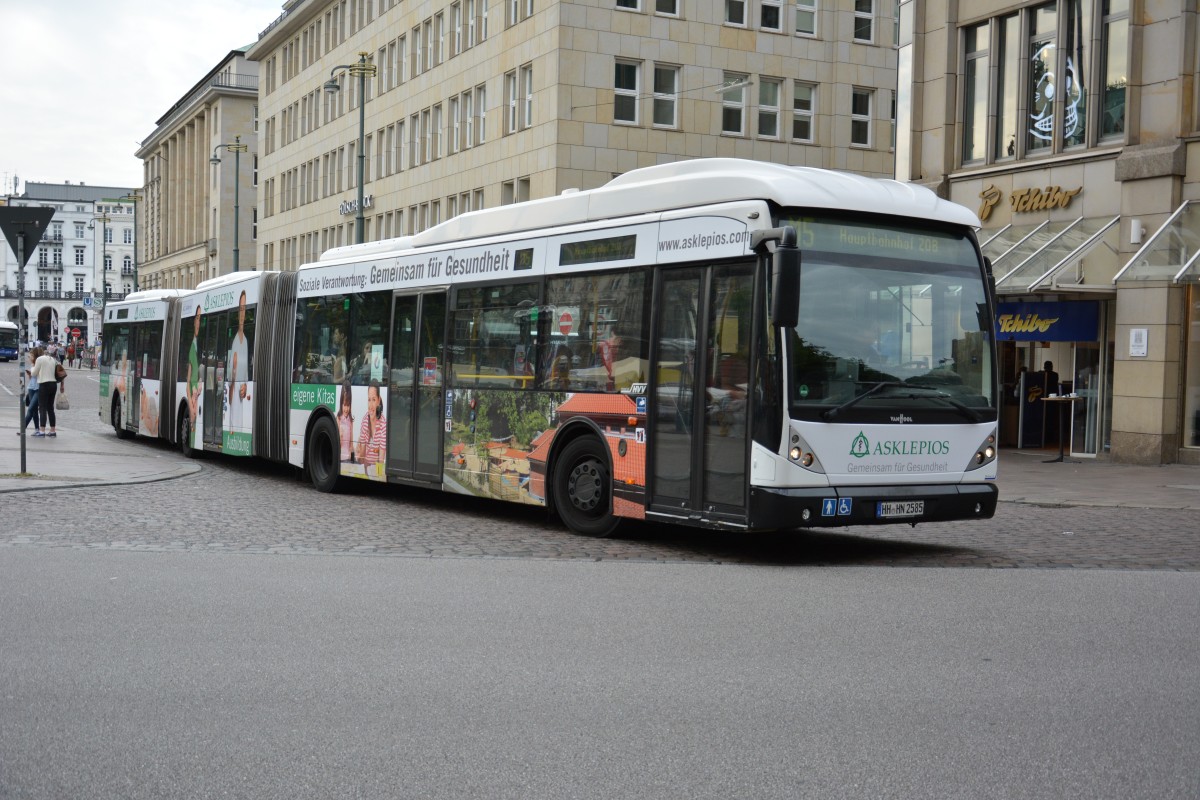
565 323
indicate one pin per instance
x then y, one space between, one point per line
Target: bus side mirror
785 285
991 276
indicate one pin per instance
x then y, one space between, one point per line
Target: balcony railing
236 82
49 294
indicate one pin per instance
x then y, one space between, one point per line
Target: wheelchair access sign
836 506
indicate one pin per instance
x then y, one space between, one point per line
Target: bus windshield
892 319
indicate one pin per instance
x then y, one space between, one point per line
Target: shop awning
1069 249
1002 241
1172 253
1029 246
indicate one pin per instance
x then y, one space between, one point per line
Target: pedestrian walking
70 354
45 369
31 395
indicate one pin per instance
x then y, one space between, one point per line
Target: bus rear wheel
185 437
322 456
583 488
115 418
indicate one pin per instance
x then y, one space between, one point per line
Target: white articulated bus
717 343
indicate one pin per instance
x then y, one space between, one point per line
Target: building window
864 17
435 131
1008 84
975 94
806 17
456 29
769 90
79 230
481 111
860 118
771 15
79 251
666 89
527 96
733 104
632 5
510 102
804 97
79 283
468 110
625 92
667 7
455 127
735 12
1043 33
1115 44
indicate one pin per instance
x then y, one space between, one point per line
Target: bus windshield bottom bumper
783 509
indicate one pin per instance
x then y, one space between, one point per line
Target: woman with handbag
45 369
31 396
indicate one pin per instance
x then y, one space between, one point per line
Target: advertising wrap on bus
903 454
669 241
218 328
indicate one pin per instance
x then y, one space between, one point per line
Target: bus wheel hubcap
584 486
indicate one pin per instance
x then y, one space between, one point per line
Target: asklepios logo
860 446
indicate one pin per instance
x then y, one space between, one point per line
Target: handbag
60 373
61 403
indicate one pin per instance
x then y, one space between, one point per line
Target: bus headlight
986 453
800 453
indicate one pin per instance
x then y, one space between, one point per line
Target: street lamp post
103 219
362 70
237 148
134 197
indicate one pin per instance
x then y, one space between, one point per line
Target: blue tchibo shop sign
1048 322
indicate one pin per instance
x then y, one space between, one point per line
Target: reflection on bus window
494 336
594 332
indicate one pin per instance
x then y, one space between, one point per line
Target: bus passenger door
415 407
215 337
700 388
137 346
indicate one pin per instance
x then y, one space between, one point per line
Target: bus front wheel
323 455
583 488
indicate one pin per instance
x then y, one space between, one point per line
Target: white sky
82 81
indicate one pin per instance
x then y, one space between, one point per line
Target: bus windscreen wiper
833 412
966 410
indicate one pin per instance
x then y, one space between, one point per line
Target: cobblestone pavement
256 507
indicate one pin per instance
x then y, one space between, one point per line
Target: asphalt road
162 674
236 634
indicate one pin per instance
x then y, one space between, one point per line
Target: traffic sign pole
17 223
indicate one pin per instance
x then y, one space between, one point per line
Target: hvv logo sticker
860 446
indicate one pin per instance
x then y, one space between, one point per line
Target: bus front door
700 388
415 408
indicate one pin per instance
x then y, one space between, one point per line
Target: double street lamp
237 148
103 219
134 197
362 70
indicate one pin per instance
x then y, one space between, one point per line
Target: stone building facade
1073 128
477 103
188 215
85 257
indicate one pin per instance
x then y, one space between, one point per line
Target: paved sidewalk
80 458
